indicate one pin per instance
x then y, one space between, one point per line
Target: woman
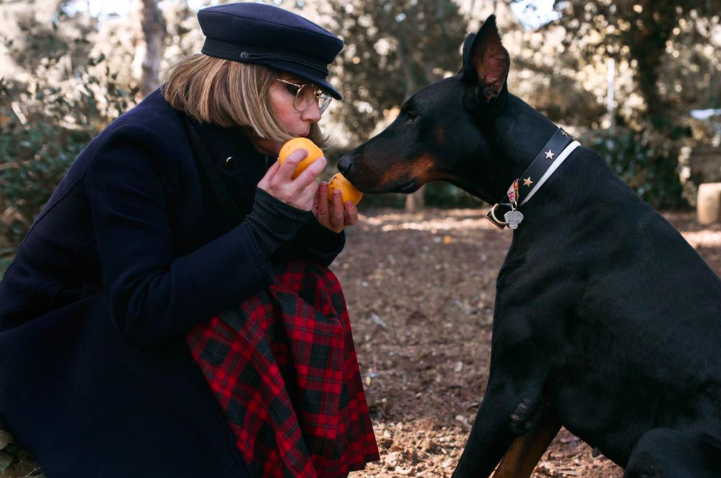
160 266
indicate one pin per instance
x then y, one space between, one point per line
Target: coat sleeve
155 295
312 243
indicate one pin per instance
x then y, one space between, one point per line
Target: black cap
270 36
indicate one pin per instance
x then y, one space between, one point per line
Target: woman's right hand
298 192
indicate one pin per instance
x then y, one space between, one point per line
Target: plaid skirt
284 370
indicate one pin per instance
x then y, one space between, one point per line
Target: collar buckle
556 151
491 216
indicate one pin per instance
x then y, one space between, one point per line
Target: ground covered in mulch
420 289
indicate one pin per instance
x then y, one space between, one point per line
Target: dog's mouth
407 187
379 177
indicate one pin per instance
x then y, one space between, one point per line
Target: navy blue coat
131 251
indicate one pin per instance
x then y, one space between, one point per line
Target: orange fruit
314 152
347 190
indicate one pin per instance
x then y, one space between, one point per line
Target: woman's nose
312 112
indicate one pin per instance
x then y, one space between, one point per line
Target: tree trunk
416 200
648 46
150 28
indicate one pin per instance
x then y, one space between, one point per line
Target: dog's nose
345 165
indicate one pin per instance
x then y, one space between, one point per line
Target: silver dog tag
513 218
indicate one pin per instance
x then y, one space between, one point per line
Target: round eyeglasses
306 94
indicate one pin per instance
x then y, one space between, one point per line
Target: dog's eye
411 117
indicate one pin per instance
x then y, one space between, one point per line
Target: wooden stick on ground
527 450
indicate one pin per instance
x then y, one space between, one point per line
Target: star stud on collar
564 133
550 154
527 182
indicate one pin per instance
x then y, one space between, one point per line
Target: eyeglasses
306 94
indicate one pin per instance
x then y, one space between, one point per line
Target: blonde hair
228 93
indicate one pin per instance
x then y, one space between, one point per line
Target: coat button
230 163
244 56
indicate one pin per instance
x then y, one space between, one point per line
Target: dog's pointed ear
467 48
486 61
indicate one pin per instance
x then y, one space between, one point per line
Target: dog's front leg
507 412
527 341
522 354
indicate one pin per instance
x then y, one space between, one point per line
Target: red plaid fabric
284 370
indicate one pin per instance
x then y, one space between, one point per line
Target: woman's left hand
333 215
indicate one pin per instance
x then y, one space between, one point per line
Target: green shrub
33 160
646 161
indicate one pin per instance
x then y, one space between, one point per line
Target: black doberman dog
604 314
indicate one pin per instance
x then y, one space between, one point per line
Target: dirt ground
420 290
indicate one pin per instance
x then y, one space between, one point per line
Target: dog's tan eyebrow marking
440 135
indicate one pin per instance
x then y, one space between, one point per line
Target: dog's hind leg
666 453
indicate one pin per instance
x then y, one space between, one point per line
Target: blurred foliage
668 63
646 163
62 98
664 41
392 49
32 163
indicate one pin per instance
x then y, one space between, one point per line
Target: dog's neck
521 132
516 136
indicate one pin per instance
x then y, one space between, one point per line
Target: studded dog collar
546 162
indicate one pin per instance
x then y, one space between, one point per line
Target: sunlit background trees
625 76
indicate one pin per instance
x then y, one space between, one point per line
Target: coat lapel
236 167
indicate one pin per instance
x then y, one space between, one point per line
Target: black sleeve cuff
274 222
323 243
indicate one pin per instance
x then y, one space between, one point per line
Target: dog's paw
523 417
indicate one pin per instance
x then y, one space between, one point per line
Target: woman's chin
266 146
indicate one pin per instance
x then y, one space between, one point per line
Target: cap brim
309 75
